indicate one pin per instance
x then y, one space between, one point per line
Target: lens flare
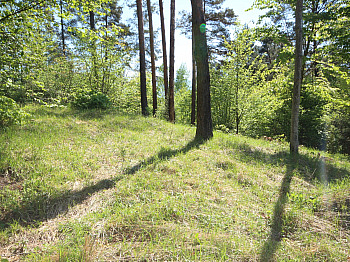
202 28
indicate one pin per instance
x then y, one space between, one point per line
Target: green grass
100 186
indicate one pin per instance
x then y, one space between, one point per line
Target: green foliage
182 96
91 100
222 128
60 79
338 128
10 112
126 96
183 106
304 201
238 87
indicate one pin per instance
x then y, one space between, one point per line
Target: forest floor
100 186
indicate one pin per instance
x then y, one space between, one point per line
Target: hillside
99 186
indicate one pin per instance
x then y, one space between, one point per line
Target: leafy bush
91 100
10 112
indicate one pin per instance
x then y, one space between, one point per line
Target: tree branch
21 11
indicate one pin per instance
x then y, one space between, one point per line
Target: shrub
10 112
91 100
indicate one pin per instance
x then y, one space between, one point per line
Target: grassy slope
94 186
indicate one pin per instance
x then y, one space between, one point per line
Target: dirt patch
11 179
135 233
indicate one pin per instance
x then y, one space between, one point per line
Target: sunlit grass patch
100 186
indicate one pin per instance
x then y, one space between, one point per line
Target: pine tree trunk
153 63
62 30
294 140
165 61
172 62
194 86
142 59
104 68
204 121
94 79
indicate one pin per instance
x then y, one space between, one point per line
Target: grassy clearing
97 186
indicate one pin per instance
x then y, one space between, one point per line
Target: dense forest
81 54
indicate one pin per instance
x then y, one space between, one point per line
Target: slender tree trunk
237 101
165 61
142 59
94 81
153 63
62 30
204 121
104 68
92 20
172 62
294 140
194 85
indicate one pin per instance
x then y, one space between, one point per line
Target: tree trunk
94 78
142 59
165 62
194 86
62 30
237 101
104 68
92 20
153 63
172 62
204 121
294 141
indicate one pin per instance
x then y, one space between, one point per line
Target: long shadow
276 234
42 208
311 166
164 155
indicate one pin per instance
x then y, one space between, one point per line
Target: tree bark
165 61
94 79
62 30
204 120
142 59
172 62
194 86
294 140
153 63
92 20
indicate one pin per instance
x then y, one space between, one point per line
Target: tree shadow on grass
164 155
42 207
271 245
311 166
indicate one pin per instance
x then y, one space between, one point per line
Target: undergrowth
100 186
